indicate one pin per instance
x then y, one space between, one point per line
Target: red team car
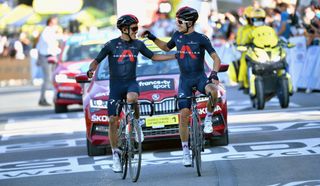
77 53
158 83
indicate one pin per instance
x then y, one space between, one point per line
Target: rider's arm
102 54
217 61
165 46
239 35
93 65
161 57
207 45
156 57
161 44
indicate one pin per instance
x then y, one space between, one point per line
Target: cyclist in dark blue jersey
191 47
122 55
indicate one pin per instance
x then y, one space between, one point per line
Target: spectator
313 27
284 27
26 44
48 49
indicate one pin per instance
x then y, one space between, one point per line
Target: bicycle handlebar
121 103
189 97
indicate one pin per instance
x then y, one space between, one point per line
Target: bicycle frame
131 141
196 137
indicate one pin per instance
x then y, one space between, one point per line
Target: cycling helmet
248 11
127 20
188 14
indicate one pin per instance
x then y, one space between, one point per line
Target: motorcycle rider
122 55
258 16
242 39
191 48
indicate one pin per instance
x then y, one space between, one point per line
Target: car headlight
63 78
98 104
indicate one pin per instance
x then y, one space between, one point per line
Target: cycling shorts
118 91
185 88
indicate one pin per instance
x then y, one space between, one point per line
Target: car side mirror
223 67
242 48
82 78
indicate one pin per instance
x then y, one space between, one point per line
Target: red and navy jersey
190 52
122 57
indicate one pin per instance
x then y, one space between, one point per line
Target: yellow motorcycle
267 74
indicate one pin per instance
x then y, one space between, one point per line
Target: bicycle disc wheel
134 153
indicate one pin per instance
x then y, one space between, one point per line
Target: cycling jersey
190 52
122 57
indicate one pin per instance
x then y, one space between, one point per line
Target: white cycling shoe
208 125
186 160
116 167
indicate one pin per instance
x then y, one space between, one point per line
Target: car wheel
94 150
60 108
221 140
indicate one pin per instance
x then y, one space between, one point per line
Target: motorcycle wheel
259 98
283 92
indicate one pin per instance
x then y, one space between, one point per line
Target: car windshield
80 52
146 67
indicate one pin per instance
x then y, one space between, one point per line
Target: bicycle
129 141
196 136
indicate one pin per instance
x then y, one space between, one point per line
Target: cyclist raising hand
122 55
191 48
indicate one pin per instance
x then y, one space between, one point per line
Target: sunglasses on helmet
134 29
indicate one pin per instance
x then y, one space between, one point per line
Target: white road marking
238 105
40 127
274 149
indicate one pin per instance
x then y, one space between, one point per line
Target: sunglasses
134 29
181 21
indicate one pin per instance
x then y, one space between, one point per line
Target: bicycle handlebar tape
150 36
213 75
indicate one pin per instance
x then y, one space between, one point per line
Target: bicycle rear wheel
197 139
134 153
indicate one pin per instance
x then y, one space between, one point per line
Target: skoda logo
155 97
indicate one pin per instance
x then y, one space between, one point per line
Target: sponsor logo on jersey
185 49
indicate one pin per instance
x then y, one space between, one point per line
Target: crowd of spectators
301 20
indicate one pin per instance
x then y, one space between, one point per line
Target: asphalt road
272 147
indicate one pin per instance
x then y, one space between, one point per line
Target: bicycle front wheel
123 146
197 139
124 164
134 153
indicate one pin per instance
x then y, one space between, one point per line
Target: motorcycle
267 68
